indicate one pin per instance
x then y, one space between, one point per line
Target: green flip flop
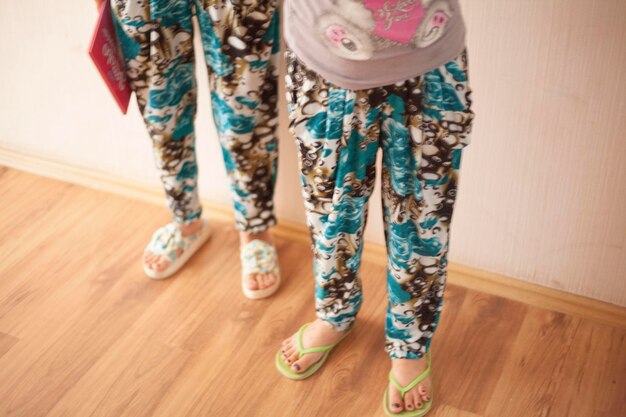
403 390
285 369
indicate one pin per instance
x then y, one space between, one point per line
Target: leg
241 46
160 66
427 125
337 136
156 38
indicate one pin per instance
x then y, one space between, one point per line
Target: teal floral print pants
240 40
421 125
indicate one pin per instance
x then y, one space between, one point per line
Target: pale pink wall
543 195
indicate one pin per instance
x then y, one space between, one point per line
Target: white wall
543 194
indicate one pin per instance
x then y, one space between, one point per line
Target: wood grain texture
84 333
447 411
6 343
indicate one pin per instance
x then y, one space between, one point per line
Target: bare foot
316 334
258 281
159 263
405 371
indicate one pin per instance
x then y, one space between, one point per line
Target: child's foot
405 371
318 333
258 281
157 261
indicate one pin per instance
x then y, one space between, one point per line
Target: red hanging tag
105 53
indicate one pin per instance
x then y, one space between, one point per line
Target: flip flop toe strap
317 349
259 257
404 389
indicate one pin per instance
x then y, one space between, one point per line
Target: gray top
359 44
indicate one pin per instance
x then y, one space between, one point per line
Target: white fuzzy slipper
168 241
259 257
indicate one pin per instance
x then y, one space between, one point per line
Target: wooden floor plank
534 370
6 341
479 341
598 387
43 367
127 381
449 411
84 333
75 262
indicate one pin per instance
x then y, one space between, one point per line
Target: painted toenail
419 405
297 367
395 405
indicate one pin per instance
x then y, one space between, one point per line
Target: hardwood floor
84 333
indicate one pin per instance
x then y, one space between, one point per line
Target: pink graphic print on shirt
397 20
356 29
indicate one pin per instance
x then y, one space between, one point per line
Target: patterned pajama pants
421 124
241 44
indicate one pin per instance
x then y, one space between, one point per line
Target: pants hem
246 228
341 326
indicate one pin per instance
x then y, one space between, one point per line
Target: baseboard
460 275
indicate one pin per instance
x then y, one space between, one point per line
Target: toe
161 264
410 400
288 348
423 393
395 400
419 404
292 357
260 280
263 279
416 399
152 262
251 282
305 362
288 352
270 279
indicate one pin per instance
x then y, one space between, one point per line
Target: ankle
409 364
327 328
191 228
265 236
